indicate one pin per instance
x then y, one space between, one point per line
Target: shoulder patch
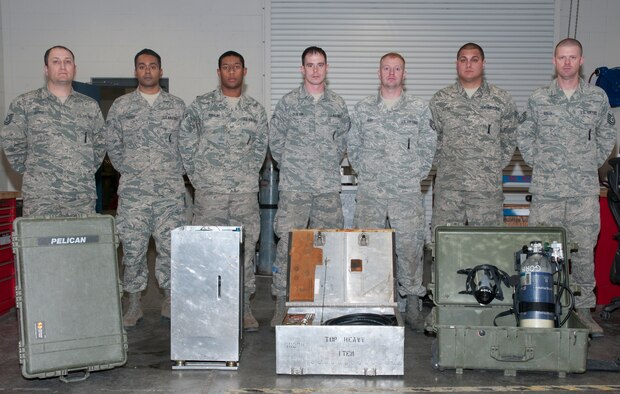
432 124
611 119
8 119
523 117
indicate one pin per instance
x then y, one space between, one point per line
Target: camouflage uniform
58 148
392 151
307 139
565 141
143 146
476 138
223 150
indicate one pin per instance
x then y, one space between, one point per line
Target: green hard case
466 335
68 296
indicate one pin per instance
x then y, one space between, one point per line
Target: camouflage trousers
580 217
239 209
59 206
467 207
137 220
405 215
299 210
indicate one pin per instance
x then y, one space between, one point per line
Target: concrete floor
148 369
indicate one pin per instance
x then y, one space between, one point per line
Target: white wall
105 35
190 35
598 31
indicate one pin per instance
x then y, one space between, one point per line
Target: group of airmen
57 139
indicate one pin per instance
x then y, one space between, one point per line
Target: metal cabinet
206 288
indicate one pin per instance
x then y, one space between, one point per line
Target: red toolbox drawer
6 248
8 212
7 269
7 294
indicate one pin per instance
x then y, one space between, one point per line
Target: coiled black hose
362 319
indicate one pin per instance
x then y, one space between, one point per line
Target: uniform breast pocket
491 130
409 131
170 124
587 130
335 122
240 139
169 131
131 139
41 127
588 121
548 121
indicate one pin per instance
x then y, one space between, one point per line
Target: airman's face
314 69
470 66
567 61
60 68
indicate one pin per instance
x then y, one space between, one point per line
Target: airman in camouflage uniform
391 146
53 136
223 144
142 136
566 134
307 139
476 125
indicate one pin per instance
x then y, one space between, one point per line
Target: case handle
67 379
497 355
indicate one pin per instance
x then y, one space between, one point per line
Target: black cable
593 74
362 319
570 16
571 299
576 20
562 285
559 284
324 289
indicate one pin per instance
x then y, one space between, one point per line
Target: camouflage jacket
58 147
142 143
307 139
565 140
391 149
476 137
223 149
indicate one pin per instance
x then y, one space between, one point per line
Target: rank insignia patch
8 119
610 119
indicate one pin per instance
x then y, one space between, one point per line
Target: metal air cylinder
268 202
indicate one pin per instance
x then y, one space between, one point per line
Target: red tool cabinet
7 264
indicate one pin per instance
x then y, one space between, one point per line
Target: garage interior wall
191 34
517 37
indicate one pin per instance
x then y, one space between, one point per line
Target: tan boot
280 312
413 313
134 310
249 322
585 316
165 305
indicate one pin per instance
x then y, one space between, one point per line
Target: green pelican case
466 335
68 296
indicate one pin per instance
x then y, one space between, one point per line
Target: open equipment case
466 335
341 276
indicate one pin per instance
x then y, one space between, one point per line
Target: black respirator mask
484 283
